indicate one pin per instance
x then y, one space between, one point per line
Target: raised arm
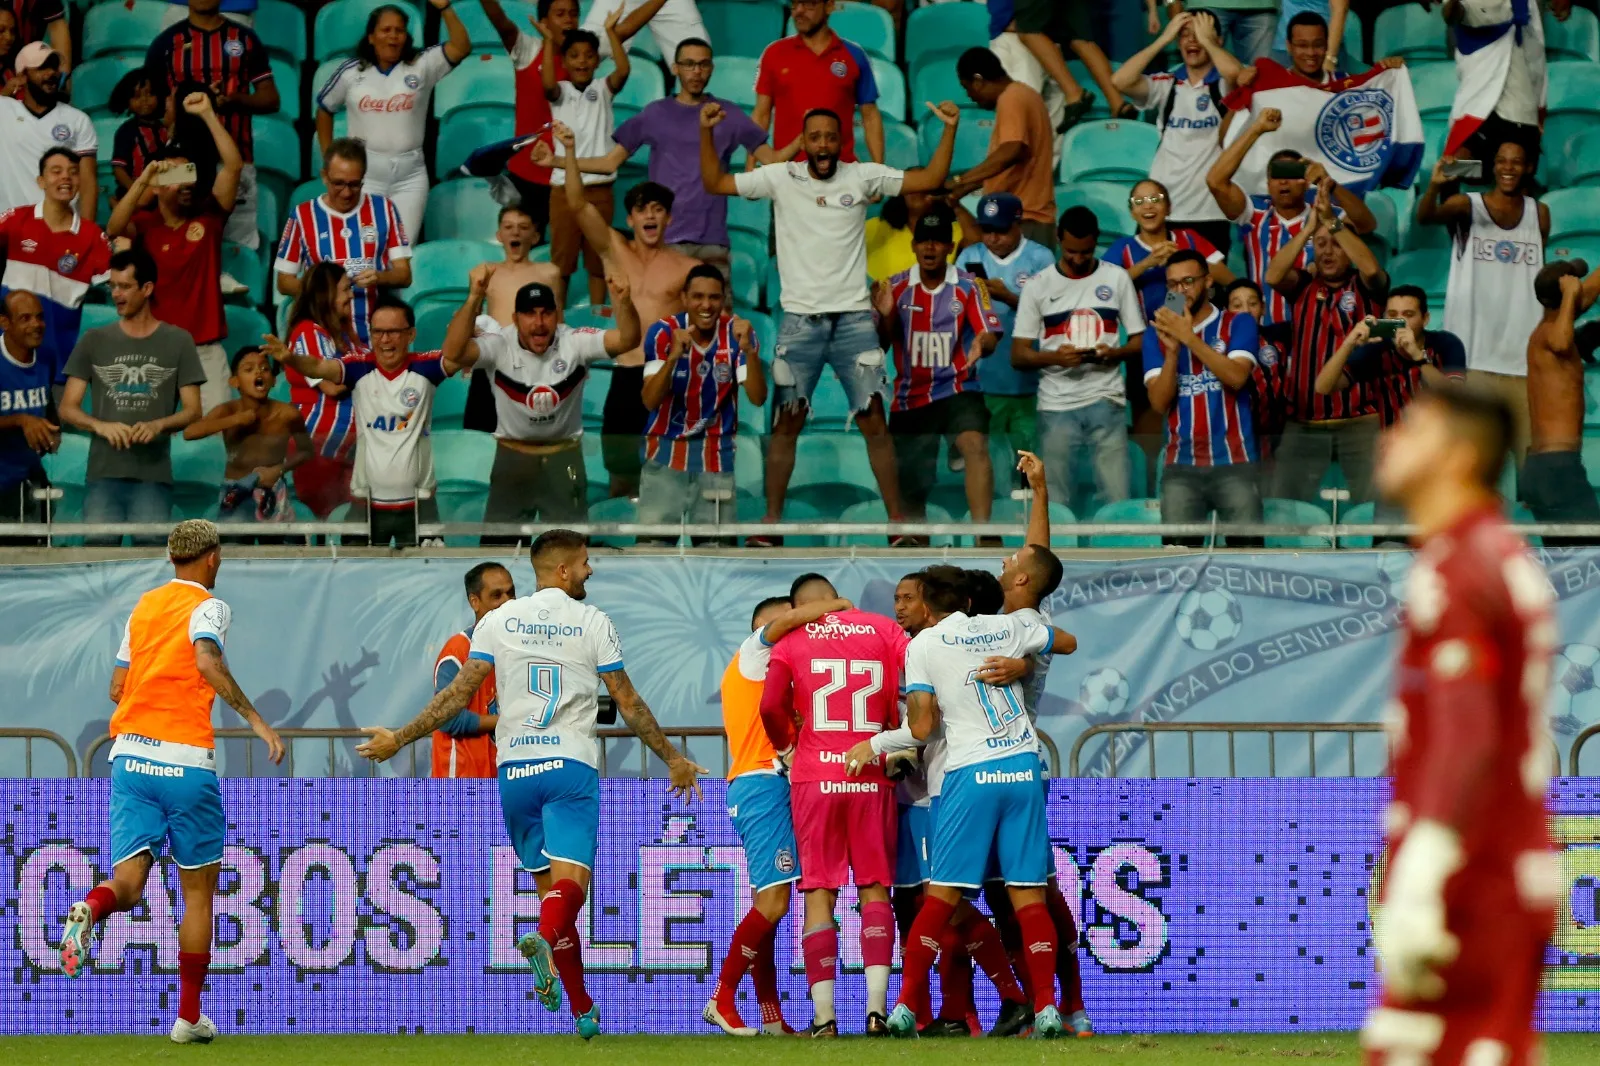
638 19
609 163
547 69
220 419
382 744
596 230
458 44
1228 67
502 25
713 177
309 366
620 65
1219 179
459 350
755 375
230 162
213 666
1361 257
931 177
1562 334
88 186
1162 386
120 224
797 617
1332 377
683 773
1282 270
1130 77
1032 468
1436 209
628 334
658 386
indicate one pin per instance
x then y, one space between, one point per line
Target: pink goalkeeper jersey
840 677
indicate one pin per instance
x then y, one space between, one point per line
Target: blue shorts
758 806
992 873
846 340
154 803
911 855
996 808
552 811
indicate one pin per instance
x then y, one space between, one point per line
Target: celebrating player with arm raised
1469 898
549 652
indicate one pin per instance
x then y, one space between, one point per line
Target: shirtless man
516 234
656 276
1554 483
257 431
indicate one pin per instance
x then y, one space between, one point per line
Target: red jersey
533 109
188 270
463 755
799 80
1470 747
841 677
231 55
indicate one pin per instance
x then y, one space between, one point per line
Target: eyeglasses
695 64
352 186
1140 201
1185 283
376 332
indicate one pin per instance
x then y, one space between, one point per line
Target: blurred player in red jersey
1468 901
830 685
464 746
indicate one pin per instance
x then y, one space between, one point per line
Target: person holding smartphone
1397 353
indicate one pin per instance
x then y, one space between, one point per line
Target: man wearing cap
940 324
537 368
1005 259
38 122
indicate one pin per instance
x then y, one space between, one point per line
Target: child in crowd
140 139
258 431
584 105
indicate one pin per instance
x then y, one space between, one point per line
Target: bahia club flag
1364 129
1490 35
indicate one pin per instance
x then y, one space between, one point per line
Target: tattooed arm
213 667
446 703
636 713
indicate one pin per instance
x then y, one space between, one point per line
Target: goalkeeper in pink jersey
830 685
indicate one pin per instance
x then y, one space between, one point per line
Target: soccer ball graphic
1573 700
1209 619
1104 693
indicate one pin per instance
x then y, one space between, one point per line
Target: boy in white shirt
584 105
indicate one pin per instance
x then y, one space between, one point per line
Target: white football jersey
1033 684
980 722
548 652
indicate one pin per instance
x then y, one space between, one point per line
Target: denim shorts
845 340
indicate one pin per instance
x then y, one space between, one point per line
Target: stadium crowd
1036 248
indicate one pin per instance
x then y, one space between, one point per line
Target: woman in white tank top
385 92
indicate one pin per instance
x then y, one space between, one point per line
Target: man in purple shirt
671 127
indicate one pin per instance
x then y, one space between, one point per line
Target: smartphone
1175 302
1467 169
178 175
1294 169
978 270
1385 328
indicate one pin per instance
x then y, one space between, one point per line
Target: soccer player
169 670
758 806
990 797
464 745
548 653
1468 901
830 685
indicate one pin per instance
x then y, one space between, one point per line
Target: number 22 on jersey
840 674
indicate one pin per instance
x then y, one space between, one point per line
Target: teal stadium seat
199 462
432 322
1107 200
124 29
1360 514
95 316
92 82
1429 268
1108 150
481 32
941 32
749 274
738 28
69 463
309 189
1128 512
935 83
972 138
749 466
867 25
734 80
830 407
1582 164
752 245
460 210
105 135
462 458
874 511
1577 38
774 302
900 148
246 326
247 268
465 130
1385 240
595 388
1098 109
282 28
1573 213
1294 513
480 79
1573 108
618 509
339 26
1411 31
461 509
439 268
286 76
1015 512
449 400
278 149
645 85
1398 205
1434 85
891 87
819 471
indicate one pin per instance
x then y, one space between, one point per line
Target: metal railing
289 736
1151 729
680 733
28 736
1576 749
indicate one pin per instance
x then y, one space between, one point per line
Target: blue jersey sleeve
429 365
1150 350
1366 363
1244 336
866 83
1451 352
357 367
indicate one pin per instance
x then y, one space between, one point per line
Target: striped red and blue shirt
231 55
329 419
1262 232
1209 424
694 427
370 237
933 335
137 142
58 268
1152 284
1324 312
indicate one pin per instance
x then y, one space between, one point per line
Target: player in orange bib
164 765
464 746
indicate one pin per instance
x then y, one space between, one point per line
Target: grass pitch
1210 1050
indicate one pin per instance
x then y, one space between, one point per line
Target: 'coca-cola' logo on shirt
401 102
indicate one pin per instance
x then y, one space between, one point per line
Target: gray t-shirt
134 379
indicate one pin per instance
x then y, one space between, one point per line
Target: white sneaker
232 286
713 1016
200 1032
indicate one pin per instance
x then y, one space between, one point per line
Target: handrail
1577 748
1350 729
681 732
28 736
288 736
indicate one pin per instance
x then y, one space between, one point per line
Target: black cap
935 225
535 297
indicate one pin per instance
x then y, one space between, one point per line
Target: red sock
559 909
920 949
983 944
1039 941
102 901
746 947
568 953
1067 973
877 934
821 949
955 977
764 975
192 967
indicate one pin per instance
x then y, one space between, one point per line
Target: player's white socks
878 990
822 1002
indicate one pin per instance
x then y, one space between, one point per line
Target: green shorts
1016 418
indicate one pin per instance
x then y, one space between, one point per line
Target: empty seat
1434 85
282 28
1428 268
972 138
751 216
340 25
481 32
740 29
734 80
92 82
1412 31
618 509
936 83
1577 38
69 463
439 268
891 87
245 266
943 31
749 274
246 327
866 25
480 79
1108 201
461 210
874 511
1108 150
645 85
900 148
125 28
449 401
432 322
1582 158
1573 213
1294 513
277 148
467 129
462 456
286 75
199 462
1127 512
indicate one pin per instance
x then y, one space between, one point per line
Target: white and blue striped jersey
548 651
369 237
981 722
